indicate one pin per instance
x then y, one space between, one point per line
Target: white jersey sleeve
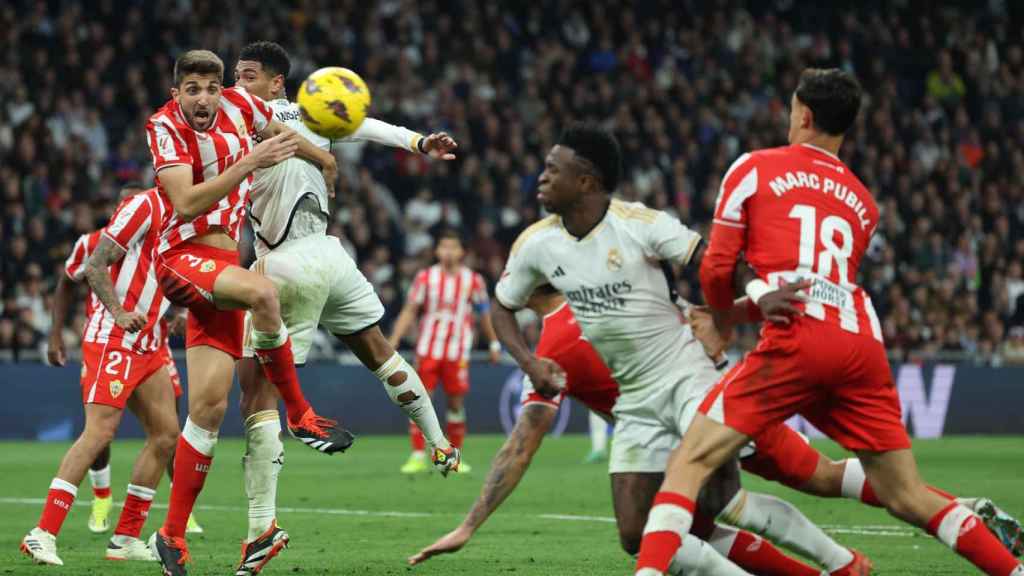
668 239
373 130
522 273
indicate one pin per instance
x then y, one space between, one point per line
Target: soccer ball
333 102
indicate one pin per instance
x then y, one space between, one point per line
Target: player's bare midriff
217 238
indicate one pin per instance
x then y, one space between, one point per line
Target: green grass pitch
354 514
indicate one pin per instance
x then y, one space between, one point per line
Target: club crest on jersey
116 387
207 266
614 260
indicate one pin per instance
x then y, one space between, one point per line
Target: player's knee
165 441
264 299
208 414
99 435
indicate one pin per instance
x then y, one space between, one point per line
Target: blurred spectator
686 87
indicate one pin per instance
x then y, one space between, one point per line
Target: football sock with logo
782 523
405 389
274 352
135 511
960 529
755 554
59 500
192 462
264 457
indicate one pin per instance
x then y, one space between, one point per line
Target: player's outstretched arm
97 274
548 377
191 200
402 324
438 145
506 471
56 353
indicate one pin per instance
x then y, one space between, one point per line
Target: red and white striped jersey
74 266
795 212
135 227
172 142
447 302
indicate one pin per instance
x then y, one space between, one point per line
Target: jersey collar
821 150
593 231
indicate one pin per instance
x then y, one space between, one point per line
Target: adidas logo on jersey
558 273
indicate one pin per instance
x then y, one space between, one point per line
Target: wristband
757 288
721 362
495 346
419 145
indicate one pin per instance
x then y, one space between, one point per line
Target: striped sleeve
478 295
166 144
738 185
253 108
74 266
131 222
418 292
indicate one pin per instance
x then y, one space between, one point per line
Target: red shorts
782 455
187 274
111 374
454 375
586 377
172 369
839 381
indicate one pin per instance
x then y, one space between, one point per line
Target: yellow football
333 102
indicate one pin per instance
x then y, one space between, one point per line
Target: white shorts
317 283
649 423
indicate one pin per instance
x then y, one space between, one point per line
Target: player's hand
330 173
276 149
777 305
178 323
130 321
704 329
547 376
440 146
55 352
450 542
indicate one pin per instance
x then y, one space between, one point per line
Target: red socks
416 437
58 503
192 461
668 522
456 432
135 511
759 556
279 366
960 529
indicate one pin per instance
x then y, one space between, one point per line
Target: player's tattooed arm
97 274
506 471
548 377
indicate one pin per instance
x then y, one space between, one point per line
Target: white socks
780 522
598 433
405 389
698 558
100 478
853 479
203 441
264 457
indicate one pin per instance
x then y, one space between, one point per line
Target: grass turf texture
354 534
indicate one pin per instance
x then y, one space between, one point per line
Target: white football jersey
277 190
615 285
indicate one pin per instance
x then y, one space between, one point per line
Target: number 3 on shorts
114 361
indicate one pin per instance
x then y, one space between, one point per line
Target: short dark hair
597 147
271 55
833 95
197 62
449 234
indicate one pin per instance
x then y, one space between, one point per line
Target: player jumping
606 257
798 212
319 283
123 364
447 293
204 156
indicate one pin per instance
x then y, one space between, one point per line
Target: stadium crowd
687 87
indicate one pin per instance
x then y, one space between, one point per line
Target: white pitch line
867 530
